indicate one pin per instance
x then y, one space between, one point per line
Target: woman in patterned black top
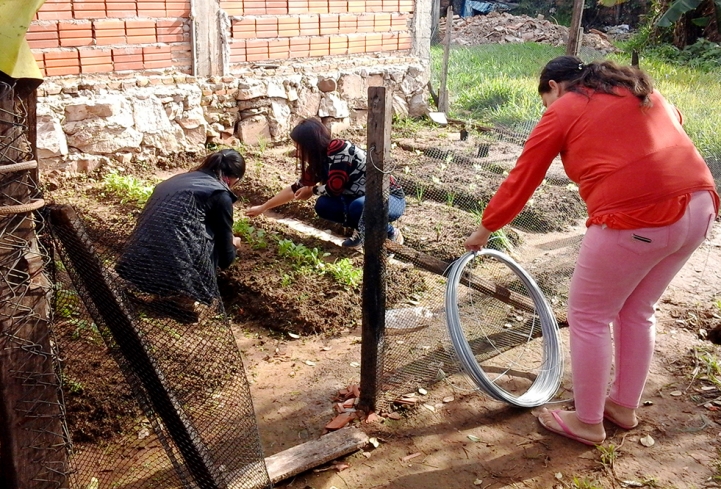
335 171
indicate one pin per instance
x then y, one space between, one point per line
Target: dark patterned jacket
182 235
346 172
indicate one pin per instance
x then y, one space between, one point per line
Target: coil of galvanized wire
548 379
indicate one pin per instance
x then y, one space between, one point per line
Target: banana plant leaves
16 59
611 3
676 10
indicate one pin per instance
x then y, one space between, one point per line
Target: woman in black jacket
185 232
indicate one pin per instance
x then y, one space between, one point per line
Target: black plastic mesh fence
447 184
155 389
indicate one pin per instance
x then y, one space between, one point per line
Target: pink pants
619 277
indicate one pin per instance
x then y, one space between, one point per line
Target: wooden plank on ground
311 454
440 267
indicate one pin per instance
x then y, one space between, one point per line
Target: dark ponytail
224 163
600 76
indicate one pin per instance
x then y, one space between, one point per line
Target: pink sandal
565 430
610 418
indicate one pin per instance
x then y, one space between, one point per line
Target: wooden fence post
32 440
575 32
443 91
375 215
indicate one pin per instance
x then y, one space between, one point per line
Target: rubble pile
502 28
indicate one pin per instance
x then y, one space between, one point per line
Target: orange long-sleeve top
635 166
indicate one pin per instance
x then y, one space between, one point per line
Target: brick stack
275 30
71 37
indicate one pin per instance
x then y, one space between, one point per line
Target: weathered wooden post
375 214
435 21
575 32
443 91
32 439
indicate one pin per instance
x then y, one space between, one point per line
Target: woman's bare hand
256 210
304 193
478 239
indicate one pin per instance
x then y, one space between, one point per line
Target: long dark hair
600 76
224 163
312 138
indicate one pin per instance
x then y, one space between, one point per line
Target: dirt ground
300 339
474 441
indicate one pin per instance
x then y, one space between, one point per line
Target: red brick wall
71 37
273 30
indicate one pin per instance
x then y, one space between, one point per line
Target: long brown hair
600 76
312 138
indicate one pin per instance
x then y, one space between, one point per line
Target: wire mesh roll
513 325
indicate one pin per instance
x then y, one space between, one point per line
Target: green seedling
584 483
286 280
86 329
450 199
300 254
72 386
128 188
311 260
500 241
255 237
609 454
345 273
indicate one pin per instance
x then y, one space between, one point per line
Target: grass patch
494 83
695 92
497 84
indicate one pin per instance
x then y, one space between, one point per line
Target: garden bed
298 326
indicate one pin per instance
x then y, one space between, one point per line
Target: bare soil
457 437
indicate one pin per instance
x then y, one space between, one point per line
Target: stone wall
85 122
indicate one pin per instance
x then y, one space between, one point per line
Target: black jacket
182 235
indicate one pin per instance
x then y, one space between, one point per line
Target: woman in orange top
651 202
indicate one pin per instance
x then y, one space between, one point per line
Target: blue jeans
348 210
